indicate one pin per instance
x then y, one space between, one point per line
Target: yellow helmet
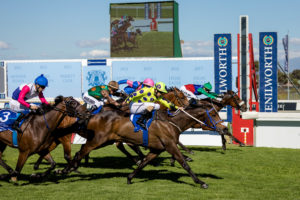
161 86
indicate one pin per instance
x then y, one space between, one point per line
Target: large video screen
142 29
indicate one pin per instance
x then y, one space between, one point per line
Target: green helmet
161 86
207 86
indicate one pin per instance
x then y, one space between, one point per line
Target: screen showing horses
142 29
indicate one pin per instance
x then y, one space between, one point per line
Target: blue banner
268 72
223 65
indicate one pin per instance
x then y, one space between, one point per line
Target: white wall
279 130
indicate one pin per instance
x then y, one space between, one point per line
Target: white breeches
16 106
91 100
136 108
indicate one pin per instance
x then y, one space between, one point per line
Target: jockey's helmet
161 87
149 82
41 80
113 84
207 86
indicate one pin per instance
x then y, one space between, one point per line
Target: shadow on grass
109 162
147 175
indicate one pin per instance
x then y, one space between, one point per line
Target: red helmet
149 82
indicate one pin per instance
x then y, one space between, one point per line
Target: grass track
240 173
151 44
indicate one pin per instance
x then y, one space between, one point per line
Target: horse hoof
129 182
204 186
138 162
14 179
188 159
35 176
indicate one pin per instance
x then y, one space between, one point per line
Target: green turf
150 44
241 173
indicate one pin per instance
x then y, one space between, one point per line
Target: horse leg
121 147
45 154
2 163
223 142
48 157
174 151
23 156
84 150
137 150
185 148
150 156
237 141
86 159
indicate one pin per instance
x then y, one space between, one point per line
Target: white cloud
95 53
92 43
294 41
4 45
197 48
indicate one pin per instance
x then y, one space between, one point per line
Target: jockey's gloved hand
218 99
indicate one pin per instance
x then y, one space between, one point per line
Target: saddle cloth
134 118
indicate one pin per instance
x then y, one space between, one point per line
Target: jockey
100 95
24 92
143 102
191 90
136 85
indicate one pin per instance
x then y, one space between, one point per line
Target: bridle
177 97
71 106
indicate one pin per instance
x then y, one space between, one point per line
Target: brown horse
229 99
119 37
111 126
37 133
132 37
174 95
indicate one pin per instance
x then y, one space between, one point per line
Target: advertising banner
268 72
172 72
223 65
64 77
94 76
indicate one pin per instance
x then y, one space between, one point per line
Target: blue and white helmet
41 80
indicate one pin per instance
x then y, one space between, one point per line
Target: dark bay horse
111 126
174 95
37 133
229 98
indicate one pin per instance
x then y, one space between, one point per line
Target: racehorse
132 37
37 133
111 126
119 37
230 98
174 95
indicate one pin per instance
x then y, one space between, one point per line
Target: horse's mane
116 109
44 108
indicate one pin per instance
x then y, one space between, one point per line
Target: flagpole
288 70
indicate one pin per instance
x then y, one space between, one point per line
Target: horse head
70 106
177 97
232 99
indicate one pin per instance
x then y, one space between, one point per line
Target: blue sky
72 29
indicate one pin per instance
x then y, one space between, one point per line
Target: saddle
134 118
7 119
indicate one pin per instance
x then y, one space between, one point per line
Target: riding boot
142 121
17 122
